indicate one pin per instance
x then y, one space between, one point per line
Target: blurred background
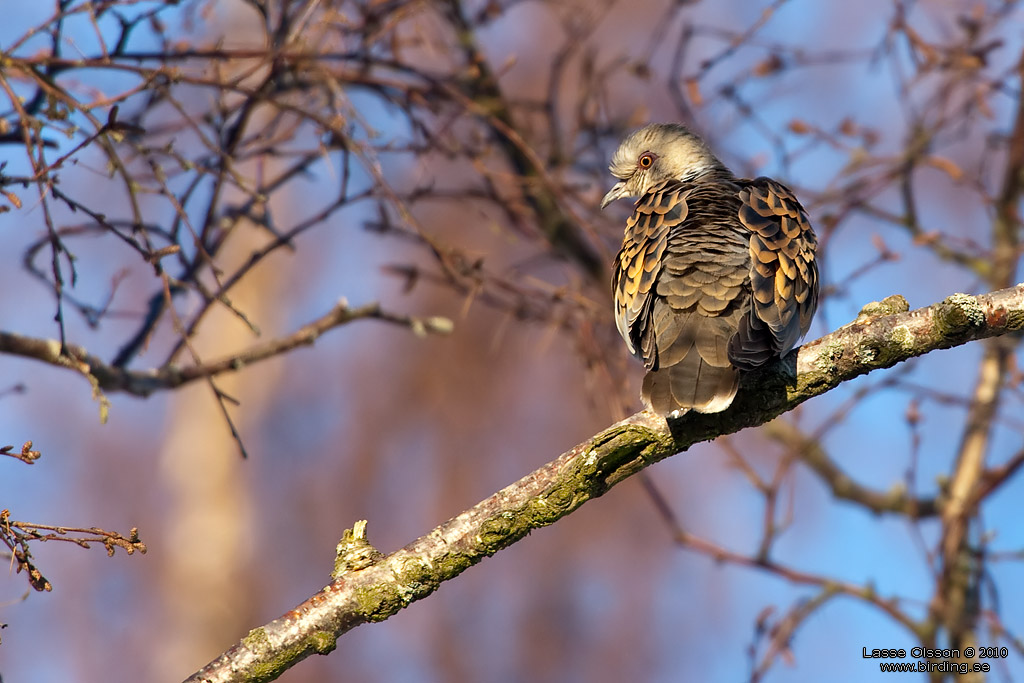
446 159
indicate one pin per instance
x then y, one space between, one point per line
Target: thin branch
842 486
110 378
18 535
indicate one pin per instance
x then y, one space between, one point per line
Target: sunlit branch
388 584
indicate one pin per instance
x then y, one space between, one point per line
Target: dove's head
654 154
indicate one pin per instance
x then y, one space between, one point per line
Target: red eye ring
646 160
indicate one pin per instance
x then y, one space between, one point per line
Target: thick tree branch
375 591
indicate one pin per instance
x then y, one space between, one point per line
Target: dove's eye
646 160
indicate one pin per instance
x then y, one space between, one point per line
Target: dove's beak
618 191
